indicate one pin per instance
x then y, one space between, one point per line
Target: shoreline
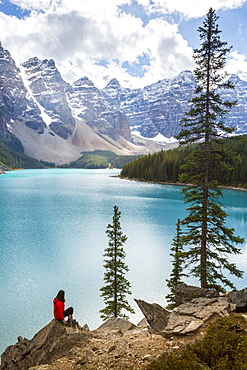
178 183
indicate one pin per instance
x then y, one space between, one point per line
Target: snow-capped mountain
46 86
89 103
158 109
55 121
15 102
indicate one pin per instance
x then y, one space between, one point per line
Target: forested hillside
100 159
14 159
165 166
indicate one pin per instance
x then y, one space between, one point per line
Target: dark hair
60 296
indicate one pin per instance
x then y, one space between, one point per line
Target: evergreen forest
14 158
166 166
100 159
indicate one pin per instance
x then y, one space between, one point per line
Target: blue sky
136 41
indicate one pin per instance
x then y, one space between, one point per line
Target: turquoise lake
52 234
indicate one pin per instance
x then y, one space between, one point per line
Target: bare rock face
185 293
49 90
191 316
194 313
50 343
15 103
116 323
157 108
157 316
239 298
89 104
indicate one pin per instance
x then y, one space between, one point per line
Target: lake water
52 234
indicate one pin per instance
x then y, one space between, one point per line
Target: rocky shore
3 169
119 344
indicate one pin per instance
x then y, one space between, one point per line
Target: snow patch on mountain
45 117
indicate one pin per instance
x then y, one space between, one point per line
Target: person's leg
69 312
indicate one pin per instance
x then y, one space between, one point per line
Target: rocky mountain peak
46 71
84 81
113 83
89 103
8 67
17 104
36 96
185 77
49 90
85 88
5 54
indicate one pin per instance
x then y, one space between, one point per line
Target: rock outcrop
185 293
49 344
196 307
115 344
116 323
118 343
189 317
239 299
156 316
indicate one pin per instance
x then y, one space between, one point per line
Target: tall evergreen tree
209 240
177 263
117 286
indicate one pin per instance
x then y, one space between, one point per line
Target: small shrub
187 360
223 347
225 344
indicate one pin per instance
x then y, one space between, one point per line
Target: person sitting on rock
59 309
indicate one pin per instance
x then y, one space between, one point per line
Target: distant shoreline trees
167 166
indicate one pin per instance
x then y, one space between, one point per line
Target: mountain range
55 121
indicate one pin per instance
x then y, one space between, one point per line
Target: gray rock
90 104
159 107
116 323
191 316
157 316
50 343
185 293
15 103
49 90
239 299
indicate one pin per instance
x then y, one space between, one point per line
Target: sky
138 42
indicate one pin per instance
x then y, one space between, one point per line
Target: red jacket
58 309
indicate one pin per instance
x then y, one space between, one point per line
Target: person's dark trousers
68 311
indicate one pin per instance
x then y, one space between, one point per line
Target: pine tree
117 286
209 240
177 271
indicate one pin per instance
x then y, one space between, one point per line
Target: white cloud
76 39
237 64
79 34
190 8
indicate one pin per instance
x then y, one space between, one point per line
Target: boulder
185 293
239 299
157 316
50 343
116 323
191 316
